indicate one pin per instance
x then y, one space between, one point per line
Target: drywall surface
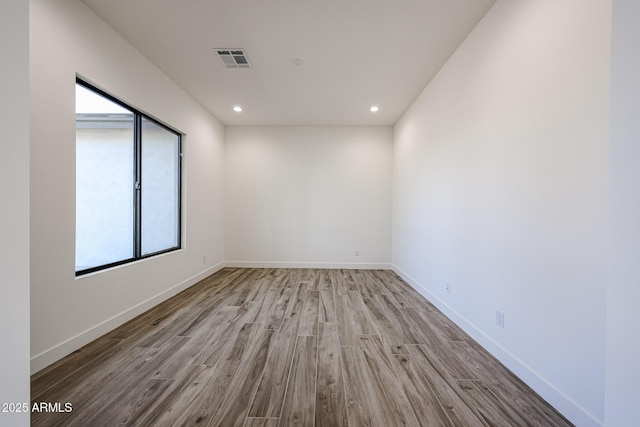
623 290
308 196
68 39
501 189
14 211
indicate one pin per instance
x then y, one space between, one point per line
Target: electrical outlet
500 318
204 259
357 252
447 287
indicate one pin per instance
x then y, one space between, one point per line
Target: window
127 183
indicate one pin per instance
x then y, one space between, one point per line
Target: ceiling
355 53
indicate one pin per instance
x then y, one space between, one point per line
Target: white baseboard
324 265
559 400
47 357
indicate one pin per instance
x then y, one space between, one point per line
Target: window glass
160 188
104 177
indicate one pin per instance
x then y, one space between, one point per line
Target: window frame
136 185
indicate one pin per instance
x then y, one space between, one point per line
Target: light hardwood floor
289 347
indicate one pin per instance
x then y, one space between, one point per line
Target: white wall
67 38
500 188
623 290
14 209
308 196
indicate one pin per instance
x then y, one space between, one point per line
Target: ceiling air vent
233 58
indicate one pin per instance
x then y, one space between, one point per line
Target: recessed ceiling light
374 109
237 109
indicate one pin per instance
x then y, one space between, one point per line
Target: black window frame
137 183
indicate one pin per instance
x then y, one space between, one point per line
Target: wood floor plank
294 277
309 318
265 306
261 288
347 279
172 405
281 276
331 409
398 286
470 364
422 329
245 291
390 336
423 400
324 281
373 282
299 404
86 383
370 282
232 293
296 302
326 309
337 282
360 314
450 330
307 275
261 422
126 409
391 282
363 408
205 315
225 324
388 288
458 409
253 312
450 358
359 282
208 332
122 385
270 394
201 408
509 389
170 326
313 279
349 330
224 336
89 390
209 317
493 411
141 327
279 307
234 407
398 300
278 346
54 374
394 404
409 333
